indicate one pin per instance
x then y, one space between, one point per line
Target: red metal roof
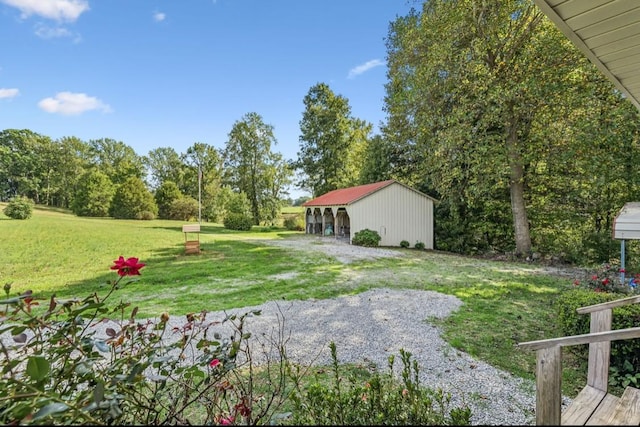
344 196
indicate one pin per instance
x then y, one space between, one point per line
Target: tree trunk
516 188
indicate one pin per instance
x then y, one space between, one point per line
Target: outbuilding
396 211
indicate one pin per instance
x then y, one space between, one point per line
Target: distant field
292 210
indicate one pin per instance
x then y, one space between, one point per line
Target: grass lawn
57 252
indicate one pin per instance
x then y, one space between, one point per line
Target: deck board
583 406
627 412
601 415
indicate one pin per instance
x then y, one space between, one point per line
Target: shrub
381 400
238 221
19 207
294 222
624 354
419 246
607 279
184 209
145 216
366 237
404 244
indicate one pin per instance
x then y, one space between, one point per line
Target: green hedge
366 237
238 221
625 355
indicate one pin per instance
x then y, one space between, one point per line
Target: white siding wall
397 213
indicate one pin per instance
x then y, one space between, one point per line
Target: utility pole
199 194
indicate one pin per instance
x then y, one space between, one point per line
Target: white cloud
69 104
9 93
45 32
58 10
356 71
159 16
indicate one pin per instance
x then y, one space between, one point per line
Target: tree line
105 177
489 108
493 111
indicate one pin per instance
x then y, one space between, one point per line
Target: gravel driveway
338 248
370 326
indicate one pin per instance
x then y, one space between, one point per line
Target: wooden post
548 386
599 352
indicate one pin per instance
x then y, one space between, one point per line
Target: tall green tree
207 160
468 80
72 157
586 176
376 162
252 168
278 178
116 159
93 194
133 200
331 142
164 196
26 164
164 164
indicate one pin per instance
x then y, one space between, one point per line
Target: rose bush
607 278
56 367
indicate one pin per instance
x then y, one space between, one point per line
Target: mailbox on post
191 246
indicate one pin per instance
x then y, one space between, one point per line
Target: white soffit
608 32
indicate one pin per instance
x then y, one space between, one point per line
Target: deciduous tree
132 200
332 142
164 164
93 194
204 159
467 82
252 168
116 159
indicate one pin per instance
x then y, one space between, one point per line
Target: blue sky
168 73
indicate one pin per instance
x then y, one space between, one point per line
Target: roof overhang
607 32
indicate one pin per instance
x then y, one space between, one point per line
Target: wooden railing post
549 385
599 352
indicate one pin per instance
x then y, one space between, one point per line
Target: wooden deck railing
549 363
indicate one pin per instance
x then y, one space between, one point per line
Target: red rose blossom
128 267
226 421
